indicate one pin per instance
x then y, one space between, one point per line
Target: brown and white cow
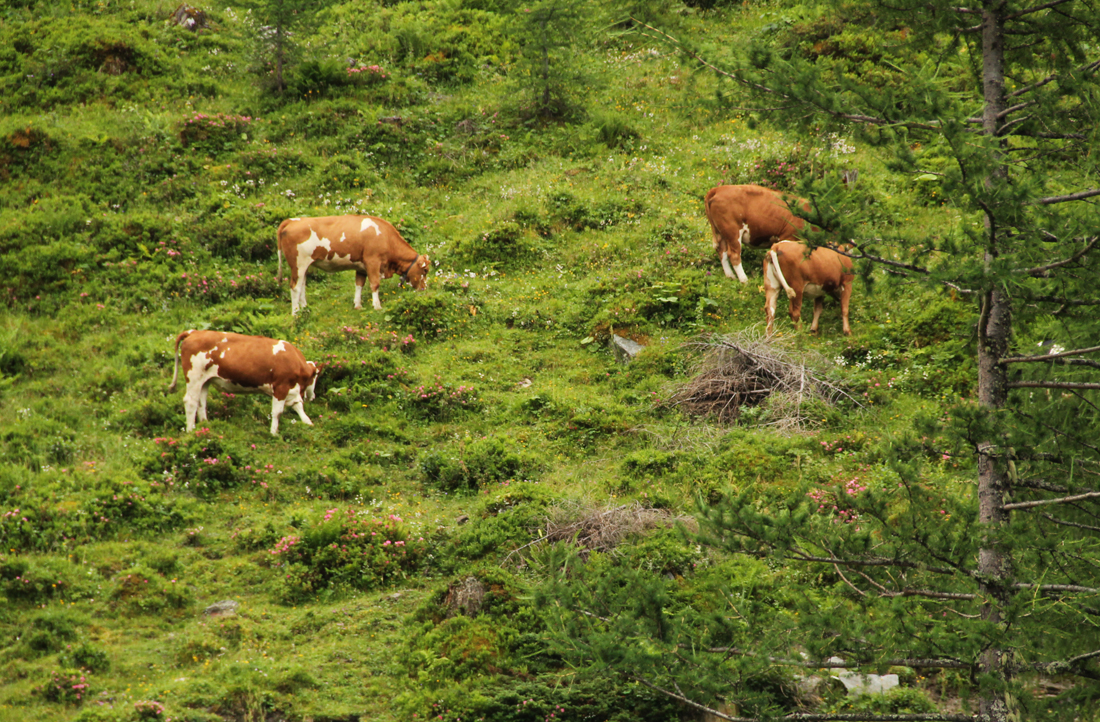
370 246
243 365
749 214
787 266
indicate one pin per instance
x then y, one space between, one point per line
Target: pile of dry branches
746 370
601 528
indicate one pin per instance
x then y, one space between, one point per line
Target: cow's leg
736 270
845 296
360 279
819 304
191 399
374 272
294 401
277 406
202 400
796 310
298 290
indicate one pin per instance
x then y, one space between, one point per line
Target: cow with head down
793 268
367 245
243 365
749 215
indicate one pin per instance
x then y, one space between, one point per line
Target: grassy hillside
373 556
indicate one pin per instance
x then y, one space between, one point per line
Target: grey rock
625 350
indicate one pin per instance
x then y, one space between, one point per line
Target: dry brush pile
747 371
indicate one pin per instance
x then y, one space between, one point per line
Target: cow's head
315 371
417 275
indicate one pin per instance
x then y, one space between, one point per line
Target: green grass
546 242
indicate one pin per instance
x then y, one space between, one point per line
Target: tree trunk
994 332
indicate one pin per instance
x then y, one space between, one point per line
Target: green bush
202 463
510 517
87 657
487 460
426 314
66 686
441 401
52 631
347 549
141 590
38 580
215 133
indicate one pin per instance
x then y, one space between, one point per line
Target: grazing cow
786 266
369 245
749 214
243 365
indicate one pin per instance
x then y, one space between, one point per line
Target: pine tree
996 104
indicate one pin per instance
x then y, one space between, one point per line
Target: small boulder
225 608
625 350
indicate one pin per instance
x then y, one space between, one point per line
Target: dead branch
600 530
1049 356
1051 385
1043 502
1064 262
746 370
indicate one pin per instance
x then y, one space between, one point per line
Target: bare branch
1063 522
1065 665
1049 356
1056 588
837 663
1037 8
1062 199
692 703
1051 385
930 594
1044 502
1066 301
1065 262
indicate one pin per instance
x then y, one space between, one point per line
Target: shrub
347 549
215 133
40 579
203 463
87 657
505 245
482 461
51 631
509 518
143 591
423 313
67 686
442 401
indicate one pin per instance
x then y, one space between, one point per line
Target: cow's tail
176 362
279 250
774 256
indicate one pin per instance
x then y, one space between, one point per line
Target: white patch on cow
812 290
726 265
377 301
279 347
369 223
358 296
295 219
740 271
